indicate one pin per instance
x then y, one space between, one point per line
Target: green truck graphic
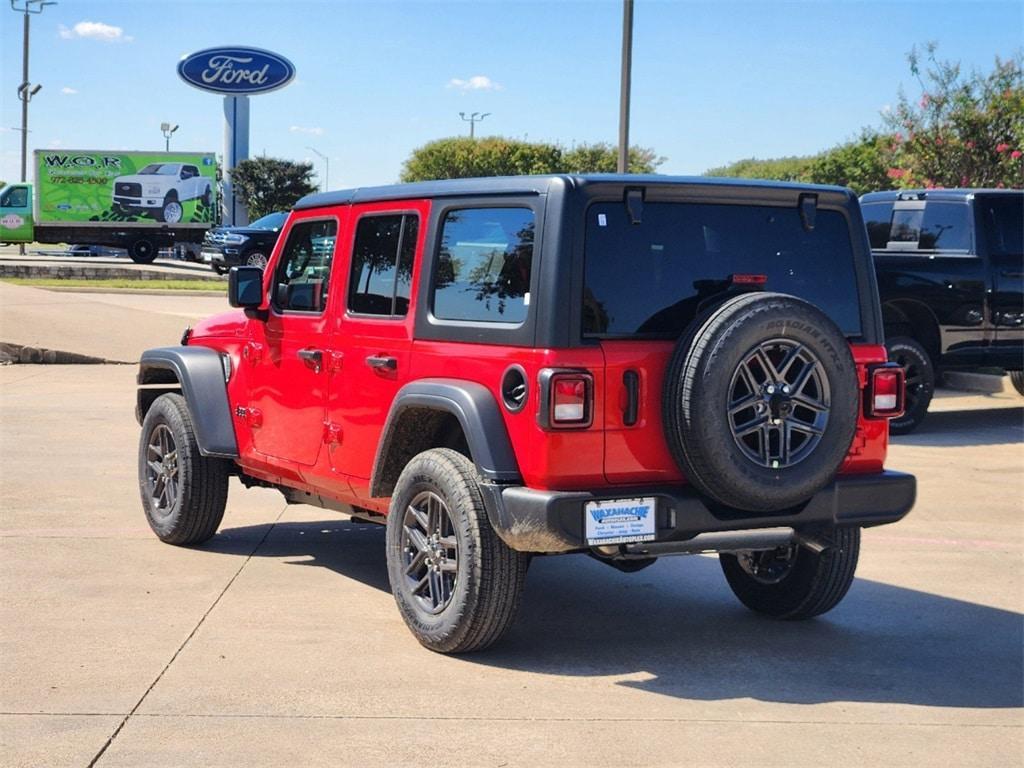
136 200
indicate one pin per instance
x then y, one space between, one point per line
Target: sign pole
236 149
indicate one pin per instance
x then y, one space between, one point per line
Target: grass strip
213 286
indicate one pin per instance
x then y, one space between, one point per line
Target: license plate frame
620 521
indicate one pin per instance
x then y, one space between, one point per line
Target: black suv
251 245
950 267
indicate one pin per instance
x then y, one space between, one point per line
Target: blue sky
712 81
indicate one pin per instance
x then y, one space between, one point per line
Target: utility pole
26 90
473 119
627 67
167 130
327 168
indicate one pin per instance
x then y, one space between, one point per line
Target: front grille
212 237
129 189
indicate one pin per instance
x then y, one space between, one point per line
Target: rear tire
920 373
806 585
1017 377
142 251
456 583
183 492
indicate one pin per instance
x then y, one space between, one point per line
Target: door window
382 260
304 269
16 197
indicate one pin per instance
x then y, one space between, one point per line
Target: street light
473 120
167 130
327 168
26 90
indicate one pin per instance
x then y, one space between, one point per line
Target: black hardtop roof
958 194
533 185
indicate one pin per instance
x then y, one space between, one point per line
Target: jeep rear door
374 334
645 281
290 352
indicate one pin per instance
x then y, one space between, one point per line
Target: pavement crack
134 709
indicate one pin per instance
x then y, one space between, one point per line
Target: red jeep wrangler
624 366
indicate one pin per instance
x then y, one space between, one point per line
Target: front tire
920 374
794 582
171 211
456 583
142 251
183 492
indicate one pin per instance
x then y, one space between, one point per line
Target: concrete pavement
109 326
278 642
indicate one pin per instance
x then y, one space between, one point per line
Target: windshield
160 169
651 278
270 221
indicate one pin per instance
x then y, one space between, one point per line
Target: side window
304 269
16 197
878 219
382 260
944 227
483 268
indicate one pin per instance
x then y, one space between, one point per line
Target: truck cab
16 222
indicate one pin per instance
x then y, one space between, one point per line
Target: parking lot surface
278 642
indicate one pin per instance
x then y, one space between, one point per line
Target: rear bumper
552 521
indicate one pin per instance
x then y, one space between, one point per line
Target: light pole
627 66
167 130
327 167
26 90
473 119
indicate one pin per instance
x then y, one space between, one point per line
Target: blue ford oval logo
236 70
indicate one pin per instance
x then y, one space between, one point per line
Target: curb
137 291
14 354
985 383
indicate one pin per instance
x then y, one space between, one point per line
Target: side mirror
245 287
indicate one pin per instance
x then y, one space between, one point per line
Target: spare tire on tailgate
761 402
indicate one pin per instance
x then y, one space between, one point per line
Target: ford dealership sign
236 70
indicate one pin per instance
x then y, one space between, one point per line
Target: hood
231 323
248 231
143 178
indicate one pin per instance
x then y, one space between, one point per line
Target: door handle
313 358
1011 273
382 362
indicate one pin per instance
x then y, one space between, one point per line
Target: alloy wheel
162 470
779 403
430 552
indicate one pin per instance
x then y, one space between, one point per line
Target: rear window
1003 220
483 268
649 279
934 226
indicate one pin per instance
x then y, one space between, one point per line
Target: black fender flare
478 413
201 373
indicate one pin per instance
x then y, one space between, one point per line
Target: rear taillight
570 398
886 391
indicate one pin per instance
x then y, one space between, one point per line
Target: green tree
456 158
963 130
777 169
603 158
862 164
268 184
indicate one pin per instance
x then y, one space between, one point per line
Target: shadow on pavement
996 426
677 626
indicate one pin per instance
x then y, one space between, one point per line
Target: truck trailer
139 201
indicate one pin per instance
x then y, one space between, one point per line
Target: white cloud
95 30
313 131
475 83
68 91
54 144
